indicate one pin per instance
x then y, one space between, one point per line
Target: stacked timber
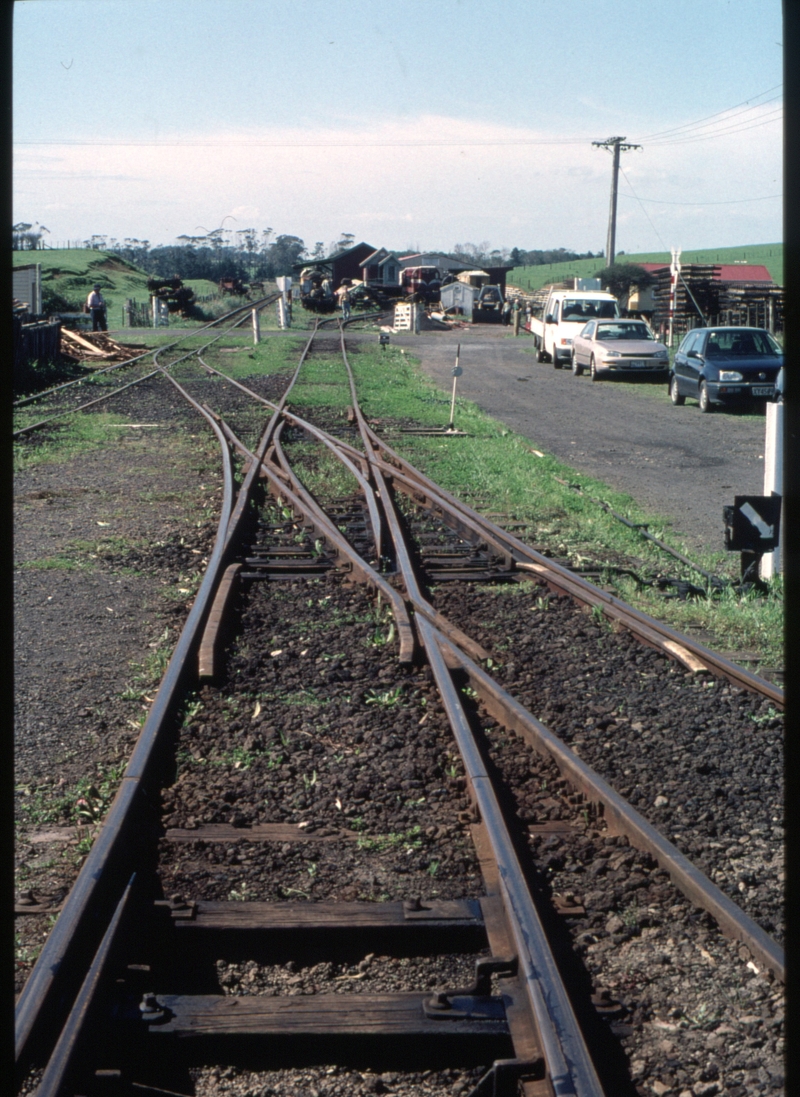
98 347
751 304
703 298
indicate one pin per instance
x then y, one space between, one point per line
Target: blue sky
421 124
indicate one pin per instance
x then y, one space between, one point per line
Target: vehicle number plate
763 390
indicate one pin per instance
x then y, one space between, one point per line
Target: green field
71 273
770 255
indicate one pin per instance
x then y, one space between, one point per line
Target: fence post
773 480
256 327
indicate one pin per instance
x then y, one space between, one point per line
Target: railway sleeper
137 1027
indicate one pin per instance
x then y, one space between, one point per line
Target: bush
54 302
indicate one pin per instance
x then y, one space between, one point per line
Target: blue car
725 366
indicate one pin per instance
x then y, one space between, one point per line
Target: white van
565 313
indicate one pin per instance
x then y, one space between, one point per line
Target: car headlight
661 354
730 375
611 354
566 342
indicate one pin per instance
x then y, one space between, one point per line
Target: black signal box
752 524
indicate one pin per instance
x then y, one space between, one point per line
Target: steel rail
67 1047
408 574
115 392
690 880
261 303
621 816
77 927
82 407
238 517
327 440
447 506
304 503
569 1066
476 650
687 877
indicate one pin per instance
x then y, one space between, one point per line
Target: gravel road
674 461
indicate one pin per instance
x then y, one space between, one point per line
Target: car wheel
703 398
595 376
557 363
576 369
674 395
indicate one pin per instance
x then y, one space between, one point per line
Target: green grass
71 272
69 436
532 278
84 802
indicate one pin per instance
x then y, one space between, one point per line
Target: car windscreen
734 343
584 308
623 331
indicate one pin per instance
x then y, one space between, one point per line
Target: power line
738 127
304 145
689 125
730 202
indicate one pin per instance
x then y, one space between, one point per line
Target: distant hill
68 275
771 255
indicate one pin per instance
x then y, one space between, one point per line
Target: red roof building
723 272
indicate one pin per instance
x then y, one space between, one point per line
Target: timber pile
96 347
697 281
751 304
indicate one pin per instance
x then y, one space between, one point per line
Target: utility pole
617 144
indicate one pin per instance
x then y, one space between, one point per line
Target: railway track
415 799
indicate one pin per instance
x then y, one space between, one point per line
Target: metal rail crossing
525 1020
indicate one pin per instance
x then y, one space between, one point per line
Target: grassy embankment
497 472
71 272
532 278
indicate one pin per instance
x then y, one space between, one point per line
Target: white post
773 479
674 269
457 371
284 284
256 327
154 309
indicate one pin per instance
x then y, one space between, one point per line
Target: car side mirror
549 319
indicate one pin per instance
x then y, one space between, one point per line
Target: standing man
97 307
343 293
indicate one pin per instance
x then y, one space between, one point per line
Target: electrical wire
690 125
728 131
728 202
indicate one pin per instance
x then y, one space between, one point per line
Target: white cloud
452 179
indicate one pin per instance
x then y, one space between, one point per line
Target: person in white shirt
343 293
97 307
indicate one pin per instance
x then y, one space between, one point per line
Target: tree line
253 255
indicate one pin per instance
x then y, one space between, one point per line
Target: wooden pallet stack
750 304
753 304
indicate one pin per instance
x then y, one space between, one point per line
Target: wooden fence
37 342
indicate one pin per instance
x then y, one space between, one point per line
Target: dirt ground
109 547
